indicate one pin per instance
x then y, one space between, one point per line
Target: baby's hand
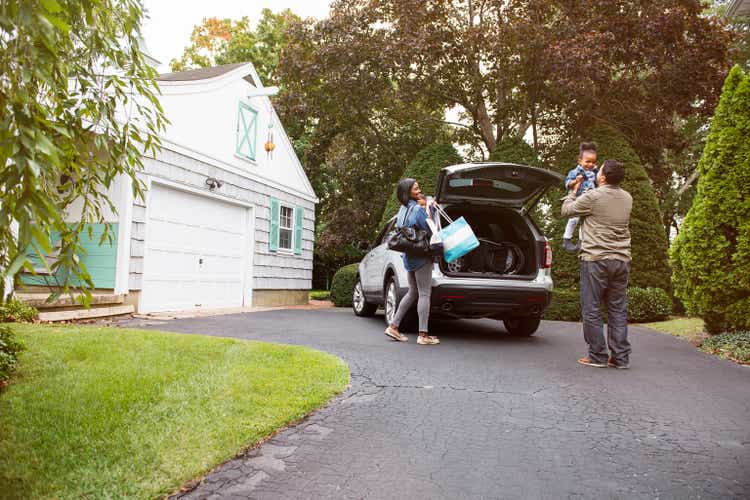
579 179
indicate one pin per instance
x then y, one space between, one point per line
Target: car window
387 229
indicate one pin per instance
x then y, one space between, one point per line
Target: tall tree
711 255
78 107
224 41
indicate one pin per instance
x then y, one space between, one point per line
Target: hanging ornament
269 145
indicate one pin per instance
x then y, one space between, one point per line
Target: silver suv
508 277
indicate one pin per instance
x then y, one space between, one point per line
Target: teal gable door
247 127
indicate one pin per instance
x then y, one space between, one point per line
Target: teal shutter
247 124
299 213
273 238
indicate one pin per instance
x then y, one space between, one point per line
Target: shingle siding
271 270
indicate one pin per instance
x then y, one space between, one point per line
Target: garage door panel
195 252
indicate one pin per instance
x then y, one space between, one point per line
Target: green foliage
122 413
342 285
648 304
68 70
424 168
320 295
224 41
734 346
711 254
565 306
644 304
515 150
648 239
9 349
17 311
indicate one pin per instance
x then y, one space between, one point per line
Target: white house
224 222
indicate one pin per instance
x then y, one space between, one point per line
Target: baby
583 175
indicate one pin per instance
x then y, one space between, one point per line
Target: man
605 264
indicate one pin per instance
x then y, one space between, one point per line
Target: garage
196 252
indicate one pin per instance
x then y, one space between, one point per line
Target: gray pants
420 288
605 281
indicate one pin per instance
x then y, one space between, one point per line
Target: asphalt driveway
486 415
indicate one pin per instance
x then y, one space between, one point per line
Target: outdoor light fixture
213 183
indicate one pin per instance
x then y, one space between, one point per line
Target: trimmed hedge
320 295
711 254
515 150
16 311
650 267
342 285
565 306
648 304
9 349
644 305
734 346
424 168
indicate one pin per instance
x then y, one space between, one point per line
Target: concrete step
39 299
81 313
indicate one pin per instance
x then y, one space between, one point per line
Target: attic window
247 125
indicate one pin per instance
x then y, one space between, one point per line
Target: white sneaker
427 340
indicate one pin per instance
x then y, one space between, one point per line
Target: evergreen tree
711 254
424 168
650 266
515 150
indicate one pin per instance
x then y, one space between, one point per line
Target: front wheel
359 301
522 326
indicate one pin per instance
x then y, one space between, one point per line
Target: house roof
738 8
199 74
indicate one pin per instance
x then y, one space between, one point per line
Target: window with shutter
273 237
299 213
247 125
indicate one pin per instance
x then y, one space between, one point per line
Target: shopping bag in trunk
458 238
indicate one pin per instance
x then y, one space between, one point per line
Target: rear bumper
480 301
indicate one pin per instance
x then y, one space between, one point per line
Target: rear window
480 187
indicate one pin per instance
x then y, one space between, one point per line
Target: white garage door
196 250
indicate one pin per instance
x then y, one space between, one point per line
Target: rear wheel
391 302
359 301
522 326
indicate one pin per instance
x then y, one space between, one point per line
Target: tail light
547 255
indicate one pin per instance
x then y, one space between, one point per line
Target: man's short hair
614 171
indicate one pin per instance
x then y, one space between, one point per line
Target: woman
419 268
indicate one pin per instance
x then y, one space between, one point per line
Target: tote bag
458 238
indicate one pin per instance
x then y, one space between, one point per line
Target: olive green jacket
605 212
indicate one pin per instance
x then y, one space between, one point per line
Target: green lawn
691 329
107 412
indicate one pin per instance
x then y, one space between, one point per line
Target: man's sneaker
612 363
427 340
570 246
588 362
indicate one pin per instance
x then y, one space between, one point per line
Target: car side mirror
363 246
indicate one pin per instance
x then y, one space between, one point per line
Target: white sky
167 31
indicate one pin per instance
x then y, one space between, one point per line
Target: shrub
565 306
711 254
648 304
648 239
15 310
9 349
424 168
343 285
515 150
644 304
320 295
735 346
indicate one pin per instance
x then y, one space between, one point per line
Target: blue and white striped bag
458 238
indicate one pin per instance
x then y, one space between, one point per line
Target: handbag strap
440 211
406 215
